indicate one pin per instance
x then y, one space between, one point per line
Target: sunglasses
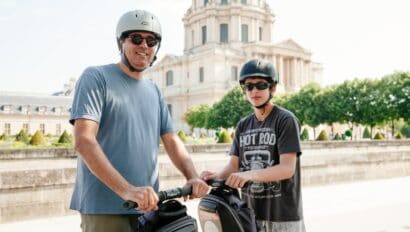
137 40
258 85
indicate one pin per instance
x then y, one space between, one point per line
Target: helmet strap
264 104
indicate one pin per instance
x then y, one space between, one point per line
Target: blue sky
44 43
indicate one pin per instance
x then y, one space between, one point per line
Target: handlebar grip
216 183
130 204
163 196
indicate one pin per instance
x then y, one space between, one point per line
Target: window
201 74
193 37
170 78
205 2
7 128
58 129
234 73
244 37
243 2
203 34
26 127
6 108
260 33
42 109
24 109
170 109
224 2
57 110
223 30
43 128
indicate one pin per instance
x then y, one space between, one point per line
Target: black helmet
259 68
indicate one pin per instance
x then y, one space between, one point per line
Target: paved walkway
371 206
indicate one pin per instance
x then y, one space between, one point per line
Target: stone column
292 68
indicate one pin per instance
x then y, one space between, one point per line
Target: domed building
220 36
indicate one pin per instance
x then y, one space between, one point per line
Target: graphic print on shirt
257 146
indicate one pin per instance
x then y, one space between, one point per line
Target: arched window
170 78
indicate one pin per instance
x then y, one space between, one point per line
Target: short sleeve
89 96
288 140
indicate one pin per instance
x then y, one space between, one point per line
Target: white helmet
138 20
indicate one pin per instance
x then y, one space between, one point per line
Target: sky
44 43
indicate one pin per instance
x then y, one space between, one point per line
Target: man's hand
238 179
207 175
199 188
145 197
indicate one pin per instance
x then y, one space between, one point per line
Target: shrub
366 133
406 130
343 137
182 136
202 136
378 136
65 138
37 139
337 137
322 136
348 133
305 135
224 137
3 137
22 136
399 135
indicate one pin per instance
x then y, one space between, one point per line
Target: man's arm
180 158
87 146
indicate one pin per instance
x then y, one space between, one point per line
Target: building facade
220 36
32 112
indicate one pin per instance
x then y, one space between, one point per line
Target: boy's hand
238 179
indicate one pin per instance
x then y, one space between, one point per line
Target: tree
227 112
395 97
197 116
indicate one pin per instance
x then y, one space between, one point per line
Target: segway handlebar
220 183
163 196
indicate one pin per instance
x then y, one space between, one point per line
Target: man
118 119
265 154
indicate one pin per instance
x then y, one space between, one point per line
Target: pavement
366 206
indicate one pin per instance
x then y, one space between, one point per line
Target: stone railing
38 182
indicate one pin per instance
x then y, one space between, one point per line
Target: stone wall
38 182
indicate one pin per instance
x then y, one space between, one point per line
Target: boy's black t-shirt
259 145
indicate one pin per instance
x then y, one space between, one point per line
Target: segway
171 215
222 210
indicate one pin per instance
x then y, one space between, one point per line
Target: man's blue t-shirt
132 115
